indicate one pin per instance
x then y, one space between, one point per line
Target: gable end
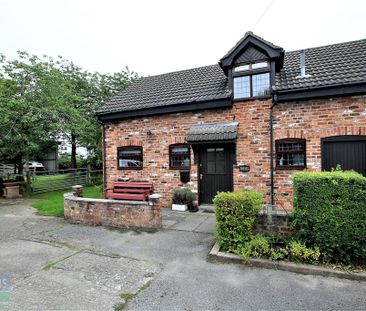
251 54
271 51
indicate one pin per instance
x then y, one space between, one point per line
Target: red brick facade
311 120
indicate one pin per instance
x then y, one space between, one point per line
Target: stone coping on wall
71 195
112 213
275 212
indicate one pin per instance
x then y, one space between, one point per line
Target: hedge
236 213
330 213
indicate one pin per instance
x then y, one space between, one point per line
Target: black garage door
347 151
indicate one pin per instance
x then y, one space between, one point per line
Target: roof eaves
184 107
341 89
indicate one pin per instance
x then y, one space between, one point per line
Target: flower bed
328 225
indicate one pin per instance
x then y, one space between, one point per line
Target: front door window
215 161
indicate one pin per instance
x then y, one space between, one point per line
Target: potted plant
183 199
11 187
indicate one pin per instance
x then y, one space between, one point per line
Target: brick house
247 122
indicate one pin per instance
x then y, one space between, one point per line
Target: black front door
347 151
215 171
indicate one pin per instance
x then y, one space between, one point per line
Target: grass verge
52 203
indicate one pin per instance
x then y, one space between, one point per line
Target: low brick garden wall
112 213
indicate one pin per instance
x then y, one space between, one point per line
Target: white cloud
153 37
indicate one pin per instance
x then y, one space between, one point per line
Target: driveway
54 265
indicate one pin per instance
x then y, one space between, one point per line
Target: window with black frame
291 154
251 80
130 158
179 157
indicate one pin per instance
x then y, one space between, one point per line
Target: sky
157 36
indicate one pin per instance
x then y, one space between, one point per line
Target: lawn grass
42 182
52 203
46 178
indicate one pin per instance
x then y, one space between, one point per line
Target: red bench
130 190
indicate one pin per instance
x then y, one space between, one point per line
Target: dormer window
250 66
251 80
242 68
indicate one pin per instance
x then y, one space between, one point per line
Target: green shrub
183 196
236 213
64 161
279 253
330 213
299 252
258 246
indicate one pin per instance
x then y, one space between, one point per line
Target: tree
31 90
89 92
43 99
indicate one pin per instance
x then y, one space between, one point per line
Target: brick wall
312 120
277 224
112 213
252 147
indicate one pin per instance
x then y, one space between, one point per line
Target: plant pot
11 190
11 183
193 209
179 207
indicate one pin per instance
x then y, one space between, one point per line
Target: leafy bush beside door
236 213
330 213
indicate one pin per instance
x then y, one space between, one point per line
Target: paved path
54 265
185 221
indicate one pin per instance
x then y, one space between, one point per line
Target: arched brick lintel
130 142
314 133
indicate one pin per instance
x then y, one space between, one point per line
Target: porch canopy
212 133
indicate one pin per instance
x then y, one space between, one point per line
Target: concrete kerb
216 255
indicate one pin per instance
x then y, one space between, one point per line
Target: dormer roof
250 41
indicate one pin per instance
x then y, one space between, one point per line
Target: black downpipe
274 103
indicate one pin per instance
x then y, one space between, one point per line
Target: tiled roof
186 86
343 63
334 64
212 132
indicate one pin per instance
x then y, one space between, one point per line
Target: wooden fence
46 181
34 182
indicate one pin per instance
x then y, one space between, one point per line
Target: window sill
246 99
290 168
130 168
180 168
